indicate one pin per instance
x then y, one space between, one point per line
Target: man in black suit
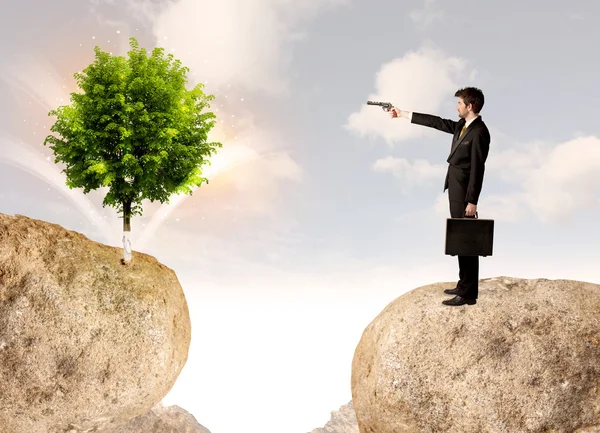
464 179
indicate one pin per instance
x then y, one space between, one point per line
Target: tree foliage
135 129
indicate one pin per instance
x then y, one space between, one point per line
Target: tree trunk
126 232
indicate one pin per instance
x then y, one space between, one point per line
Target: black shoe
459 300
454 291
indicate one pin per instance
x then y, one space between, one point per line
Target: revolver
386 106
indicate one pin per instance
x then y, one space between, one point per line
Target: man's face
462 108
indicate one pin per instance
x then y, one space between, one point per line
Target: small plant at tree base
135 129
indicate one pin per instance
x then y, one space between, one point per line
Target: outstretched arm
444 125
436 122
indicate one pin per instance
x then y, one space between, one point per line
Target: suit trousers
468 284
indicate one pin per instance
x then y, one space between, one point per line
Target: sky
320 209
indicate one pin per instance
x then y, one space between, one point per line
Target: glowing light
221 162
33 163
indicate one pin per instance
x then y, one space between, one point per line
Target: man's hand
395 112
471 209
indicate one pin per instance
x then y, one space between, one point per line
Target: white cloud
567 181
420 81
514 165
555 182
143 10
237 42
430 14
410 174
509 207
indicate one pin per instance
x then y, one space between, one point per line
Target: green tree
136 129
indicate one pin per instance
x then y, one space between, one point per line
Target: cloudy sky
321 210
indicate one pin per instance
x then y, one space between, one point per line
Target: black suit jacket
466 162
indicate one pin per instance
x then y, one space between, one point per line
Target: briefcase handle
465 215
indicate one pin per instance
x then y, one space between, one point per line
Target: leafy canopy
135 128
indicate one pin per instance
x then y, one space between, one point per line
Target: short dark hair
471 95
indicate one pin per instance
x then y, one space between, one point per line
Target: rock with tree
86 344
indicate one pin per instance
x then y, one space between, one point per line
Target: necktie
462 131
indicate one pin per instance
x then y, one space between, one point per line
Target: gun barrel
387 106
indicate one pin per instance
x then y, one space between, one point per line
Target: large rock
342 421
160 419
526 358
85 342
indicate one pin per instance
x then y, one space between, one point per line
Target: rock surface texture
342 421
160 419
85 342
525 358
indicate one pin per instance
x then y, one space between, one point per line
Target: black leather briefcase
469 236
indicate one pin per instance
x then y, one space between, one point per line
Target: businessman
464 179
